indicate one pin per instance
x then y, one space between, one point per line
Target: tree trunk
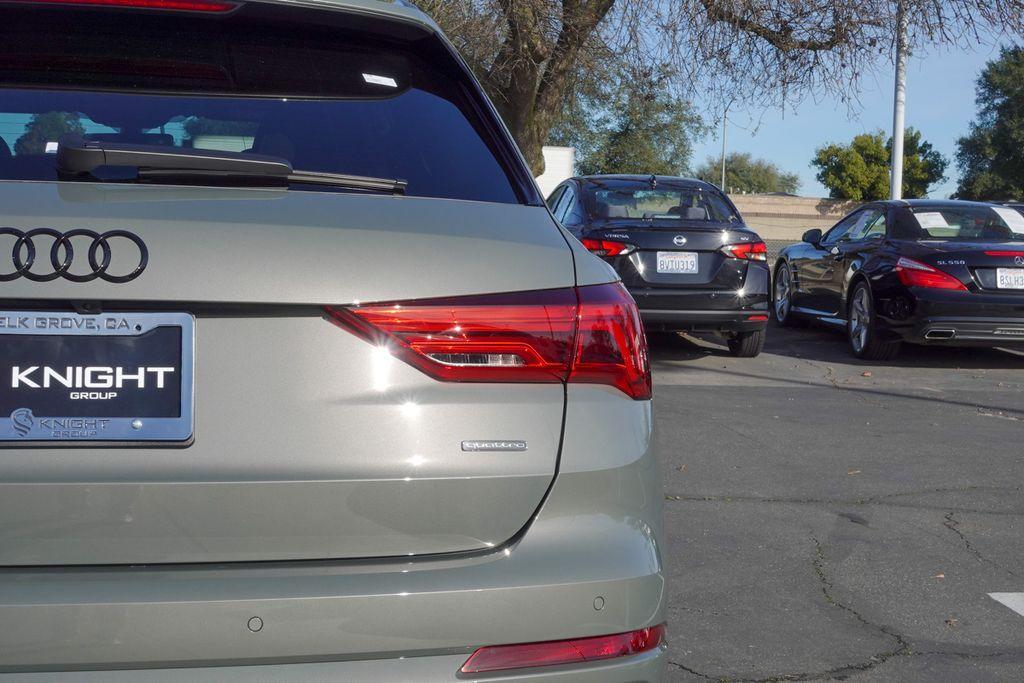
532 77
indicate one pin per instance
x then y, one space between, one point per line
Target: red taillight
1004 253
607 247
611 347
587 334
916 274
751 251
172 5
576 651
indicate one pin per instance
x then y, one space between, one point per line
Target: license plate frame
1015 274
683 257
25 426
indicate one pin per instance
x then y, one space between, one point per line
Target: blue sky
940 103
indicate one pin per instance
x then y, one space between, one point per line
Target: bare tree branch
532 55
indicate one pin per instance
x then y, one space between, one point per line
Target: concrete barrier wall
787 218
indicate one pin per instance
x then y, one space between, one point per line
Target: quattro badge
493 445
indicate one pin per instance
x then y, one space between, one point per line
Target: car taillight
751 251
611 347
552 653
607 247
916 274
586 334
172 5
1004 253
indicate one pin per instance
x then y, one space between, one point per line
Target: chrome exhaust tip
940 334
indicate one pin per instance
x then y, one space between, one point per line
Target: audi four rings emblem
62 255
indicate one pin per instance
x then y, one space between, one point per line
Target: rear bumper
707 309
967 331
954 318
719 321
598 534
644 668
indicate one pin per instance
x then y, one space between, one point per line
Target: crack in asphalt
953 525
999 414
887 499
902 646
1012 413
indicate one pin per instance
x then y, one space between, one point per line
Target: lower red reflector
552 653
173 5
757 318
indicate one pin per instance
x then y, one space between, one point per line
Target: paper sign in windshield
1014 219
380 80
930 220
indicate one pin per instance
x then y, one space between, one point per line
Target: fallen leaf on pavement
940 575
852 472
865 374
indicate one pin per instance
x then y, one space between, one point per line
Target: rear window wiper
79 157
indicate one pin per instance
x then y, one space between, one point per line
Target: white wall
559 163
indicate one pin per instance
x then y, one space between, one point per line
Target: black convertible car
681 249
919 271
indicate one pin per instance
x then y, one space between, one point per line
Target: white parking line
1014 601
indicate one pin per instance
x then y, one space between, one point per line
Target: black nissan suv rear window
328 92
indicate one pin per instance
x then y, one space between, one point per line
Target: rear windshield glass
619 201
327 99
961 224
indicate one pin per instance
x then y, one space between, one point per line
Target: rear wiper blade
76 156
358 182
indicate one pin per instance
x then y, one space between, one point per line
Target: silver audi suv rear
299 378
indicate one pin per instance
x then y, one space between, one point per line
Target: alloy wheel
782 293
860 318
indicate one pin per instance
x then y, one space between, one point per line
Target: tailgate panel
308 442
322 451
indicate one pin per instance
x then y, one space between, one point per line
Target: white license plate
1010 278
681 262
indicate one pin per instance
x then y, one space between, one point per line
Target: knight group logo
23 421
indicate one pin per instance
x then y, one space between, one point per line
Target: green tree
47 127
860 170
630 123
991 157
744 173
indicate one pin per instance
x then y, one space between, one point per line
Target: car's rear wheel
862 330
783 296
747 344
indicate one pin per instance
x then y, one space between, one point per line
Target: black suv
681 249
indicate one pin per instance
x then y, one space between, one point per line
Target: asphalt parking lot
832 519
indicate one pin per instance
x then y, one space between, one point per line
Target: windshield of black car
661 203
327 99
949 223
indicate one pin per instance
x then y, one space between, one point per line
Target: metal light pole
725 119
899 105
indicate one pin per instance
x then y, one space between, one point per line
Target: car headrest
695 213
612 211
